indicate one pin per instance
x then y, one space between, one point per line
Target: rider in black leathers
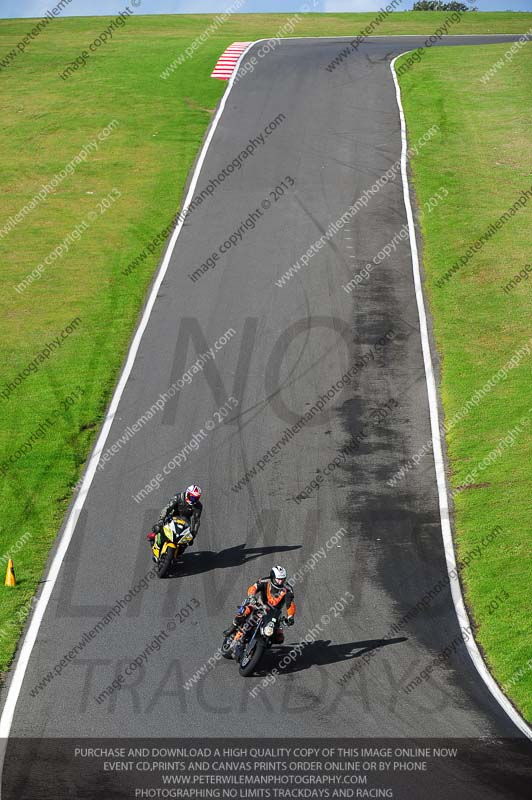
184 504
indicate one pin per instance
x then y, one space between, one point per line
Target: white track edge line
384 36
50 580
458 600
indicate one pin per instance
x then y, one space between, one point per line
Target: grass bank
477 261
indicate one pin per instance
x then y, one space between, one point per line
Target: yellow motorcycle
170 544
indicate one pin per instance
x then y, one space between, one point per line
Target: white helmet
278 577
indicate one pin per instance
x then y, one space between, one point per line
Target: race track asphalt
339 134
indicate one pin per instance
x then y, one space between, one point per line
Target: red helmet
192 494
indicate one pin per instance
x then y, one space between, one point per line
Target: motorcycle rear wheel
249 663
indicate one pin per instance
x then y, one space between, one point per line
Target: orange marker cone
10 574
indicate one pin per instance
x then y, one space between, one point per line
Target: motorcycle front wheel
250 660
226 647
165 563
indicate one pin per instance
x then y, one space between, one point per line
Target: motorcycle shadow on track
196 562
323 652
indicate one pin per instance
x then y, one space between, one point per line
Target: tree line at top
438 5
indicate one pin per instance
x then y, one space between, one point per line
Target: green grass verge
46 122
483 158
